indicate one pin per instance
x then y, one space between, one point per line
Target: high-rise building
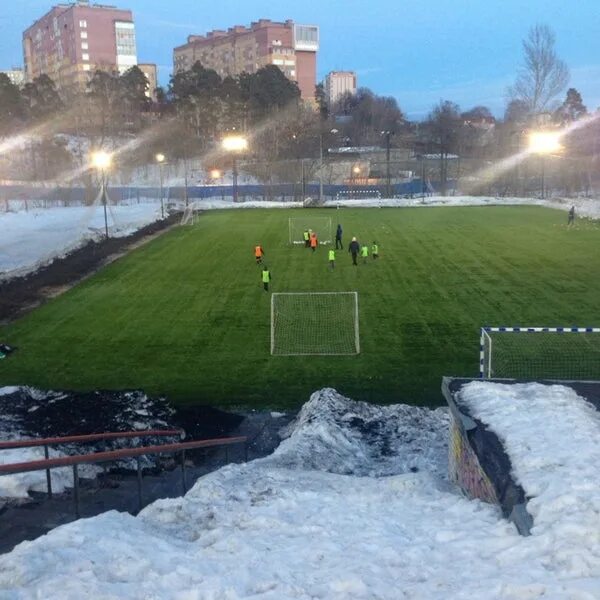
72 40
292 47
150 70
338 83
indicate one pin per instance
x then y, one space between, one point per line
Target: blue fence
283 191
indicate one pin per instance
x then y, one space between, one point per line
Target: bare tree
543 75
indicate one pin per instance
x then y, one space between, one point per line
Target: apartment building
338 83
292 47
72 40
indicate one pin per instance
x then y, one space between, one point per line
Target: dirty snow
354 504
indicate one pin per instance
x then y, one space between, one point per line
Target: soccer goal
314 323
531 353
190 214
320 225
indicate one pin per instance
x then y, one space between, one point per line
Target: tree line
199 107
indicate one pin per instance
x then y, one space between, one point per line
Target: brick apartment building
72 40
292 47
338 83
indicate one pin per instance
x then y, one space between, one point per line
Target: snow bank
33 239
292 526
552 437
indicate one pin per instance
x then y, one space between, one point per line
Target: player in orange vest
313 241
258 254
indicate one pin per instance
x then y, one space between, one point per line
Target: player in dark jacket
354 249
338 238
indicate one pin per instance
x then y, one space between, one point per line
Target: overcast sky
419 51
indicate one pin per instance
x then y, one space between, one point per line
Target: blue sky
419 51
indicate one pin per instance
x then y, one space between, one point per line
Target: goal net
320 225
314 323
569 353
190 214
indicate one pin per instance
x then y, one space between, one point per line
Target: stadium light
234 144
102 161
215 174
160 159
543 143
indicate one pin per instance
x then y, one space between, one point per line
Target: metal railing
80 439
110 456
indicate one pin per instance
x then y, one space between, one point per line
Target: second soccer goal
314 323
320 225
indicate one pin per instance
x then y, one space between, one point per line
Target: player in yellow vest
266 278
332 259
375 250
364 252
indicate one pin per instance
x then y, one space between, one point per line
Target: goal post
189 214
320 225
530 353
314 324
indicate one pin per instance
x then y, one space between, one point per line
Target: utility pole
320 168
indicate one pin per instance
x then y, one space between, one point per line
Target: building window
125 36
84 45
86 67
83 24
84 35
85 56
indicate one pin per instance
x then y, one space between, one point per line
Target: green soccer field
186 315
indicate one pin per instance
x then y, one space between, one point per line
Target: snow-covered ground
29 240
353 504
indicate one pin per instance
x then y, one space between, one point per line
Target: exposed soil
22 294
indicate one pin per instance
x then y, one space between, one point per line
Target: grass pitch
186 315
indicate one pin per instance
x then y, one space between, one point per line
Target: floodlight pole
388 177
422 178
543 175
162 205
320 168
235 178
103 176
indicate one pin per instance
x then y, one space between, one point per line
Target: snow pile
334 434
304 530
32 239
558 466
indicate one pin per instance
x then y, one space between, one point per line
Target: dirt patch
22 294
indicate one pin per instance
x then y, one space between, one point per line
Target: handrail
112 455
92 437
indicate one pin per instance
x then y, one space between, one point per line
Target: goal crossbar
568 353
